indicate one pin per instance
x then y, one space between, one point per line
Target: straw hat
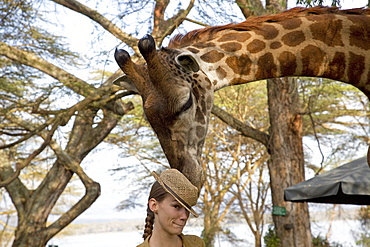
175 183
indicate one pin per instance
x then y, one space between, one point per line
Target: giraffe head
177 100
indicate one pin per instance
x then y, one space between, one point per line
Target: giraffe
178 82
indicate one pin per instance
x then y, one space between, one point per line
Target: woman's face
170 216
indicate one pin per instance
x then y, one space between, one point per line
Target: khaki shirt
187 241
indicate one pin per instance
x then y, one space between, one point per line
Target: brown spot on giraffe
208 81
209 102
212 56
221 72
198 91
199 116
268 32
266 66
293 38
256 46
320 18
288 63
239 37
204 44
239 64
312 58
359 33
332 35
291 24
231 47
357 68
193 50
200 131
336 66
275 45
237 81
203 106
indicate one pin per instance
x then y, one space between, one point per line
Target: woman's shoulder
145 243
192 241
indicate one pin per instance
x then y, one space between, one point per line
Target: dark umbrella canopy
347 184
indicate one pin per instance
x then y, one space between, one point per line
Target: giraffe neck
334 46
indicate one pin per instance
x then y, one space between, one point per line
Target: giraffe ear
124 81
188 62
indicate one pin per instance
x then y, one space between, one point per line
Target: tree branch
244 129
251 7
162 28
91 194
76 84
17 191
26 162
102 21
27 58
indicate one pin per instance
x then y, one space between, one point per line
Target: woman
169 204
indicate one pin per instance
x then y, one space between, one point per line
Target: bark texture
286 165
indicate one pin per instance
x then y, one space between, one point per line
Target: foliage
312 3
335 116
23 25
363 239
363 235
319 241
41 147
271 239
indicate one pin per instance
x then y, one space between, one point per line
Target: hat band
177 197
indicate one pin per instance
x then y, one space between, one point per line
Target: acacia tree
31 119
234 167
31 114
286 163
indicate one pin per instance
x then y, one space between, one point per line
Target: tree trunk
257 239
210 210
34 206
209 232
31 229
286 165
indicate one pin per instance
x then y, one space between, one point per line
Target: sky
79 32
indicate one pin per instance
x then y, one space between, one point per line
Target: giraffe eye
187 105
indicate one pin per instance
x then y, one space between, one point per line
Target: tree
363 238
284 146
31 118
235 186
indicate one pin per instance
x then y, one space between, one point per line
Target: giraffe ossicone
177 83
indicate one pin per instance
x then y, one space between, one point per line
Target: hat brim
173 194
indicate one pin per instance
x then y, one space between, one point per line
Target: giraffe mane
253 23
